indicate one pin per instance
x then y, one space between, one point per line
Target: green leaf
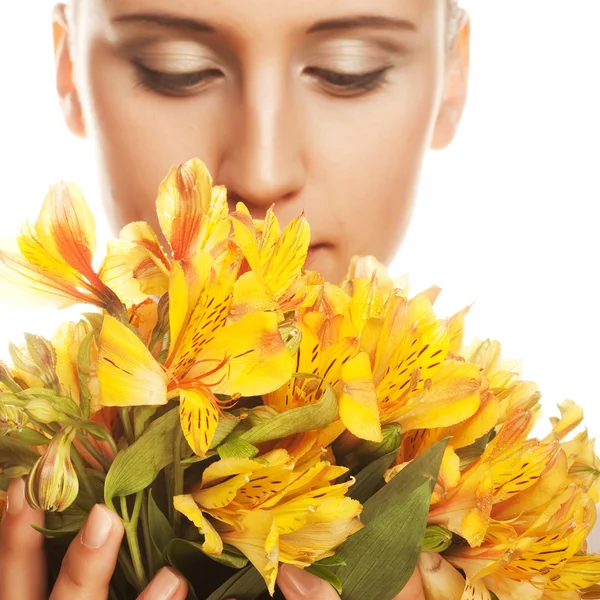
296 420
203 572
326 575
141 416
136 467
227 423
247 584
331 561
31 437
65 523
389 544
161 532
237 447
365 452
16 453
370 479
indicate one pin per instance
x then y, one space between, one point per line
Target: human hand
87 567
297 584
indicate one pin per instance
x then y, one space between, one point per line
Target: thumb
297 584
413 590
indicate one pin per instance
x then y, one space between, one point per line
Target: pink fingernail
15 499
164 585
297 581
97 528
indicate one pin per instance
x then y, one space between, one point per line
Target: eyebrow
362 21
166 20
354 22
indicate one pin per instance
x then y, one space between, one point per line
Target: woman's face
321 106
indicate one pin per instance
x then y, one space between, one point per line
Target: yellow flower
327 352
525 513
54 256
193 217
280 507
416 385
207 354
276 260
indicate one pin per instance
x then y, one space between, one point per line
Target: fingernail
97 528
164 585
15 499
297 581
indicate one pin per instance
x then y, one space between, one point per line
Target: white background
508 216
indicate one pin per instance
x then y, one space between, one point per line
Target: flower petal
185 504
358 401
257 358
127 373
183 198
199 419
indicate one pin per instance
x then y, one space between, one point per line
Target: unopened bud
42 411
7 379
364 452
52 484
12 419
436 539
41 351
23 362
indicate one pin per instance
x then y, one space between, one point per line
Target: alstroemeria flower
54 256
207 354
280 507
327 352
416 385
276 260
193 217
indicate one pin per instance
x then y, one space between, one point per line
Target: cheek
371 152
139 136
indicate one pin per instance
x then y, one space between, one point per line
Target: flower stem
83 477
147 538
131 526
94 453
126 420
178 473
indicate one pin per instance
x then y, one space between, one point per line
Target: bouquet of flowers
237 412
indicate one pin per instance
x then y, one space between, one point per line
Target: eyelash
186 84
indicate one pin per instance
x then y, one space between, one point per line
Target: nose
263 163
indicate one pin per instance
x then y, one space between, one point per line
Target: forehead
274 16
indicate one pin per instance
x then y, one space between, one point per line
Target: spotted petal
199 419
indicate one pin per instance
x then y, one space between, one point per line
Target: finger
22 559
166 585
297 584
91 558
413 590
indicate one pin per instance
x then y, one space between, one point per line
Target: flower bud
2 503
362 452
23 362
41 351
436 539
7 380
12 419
41 410
52 484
